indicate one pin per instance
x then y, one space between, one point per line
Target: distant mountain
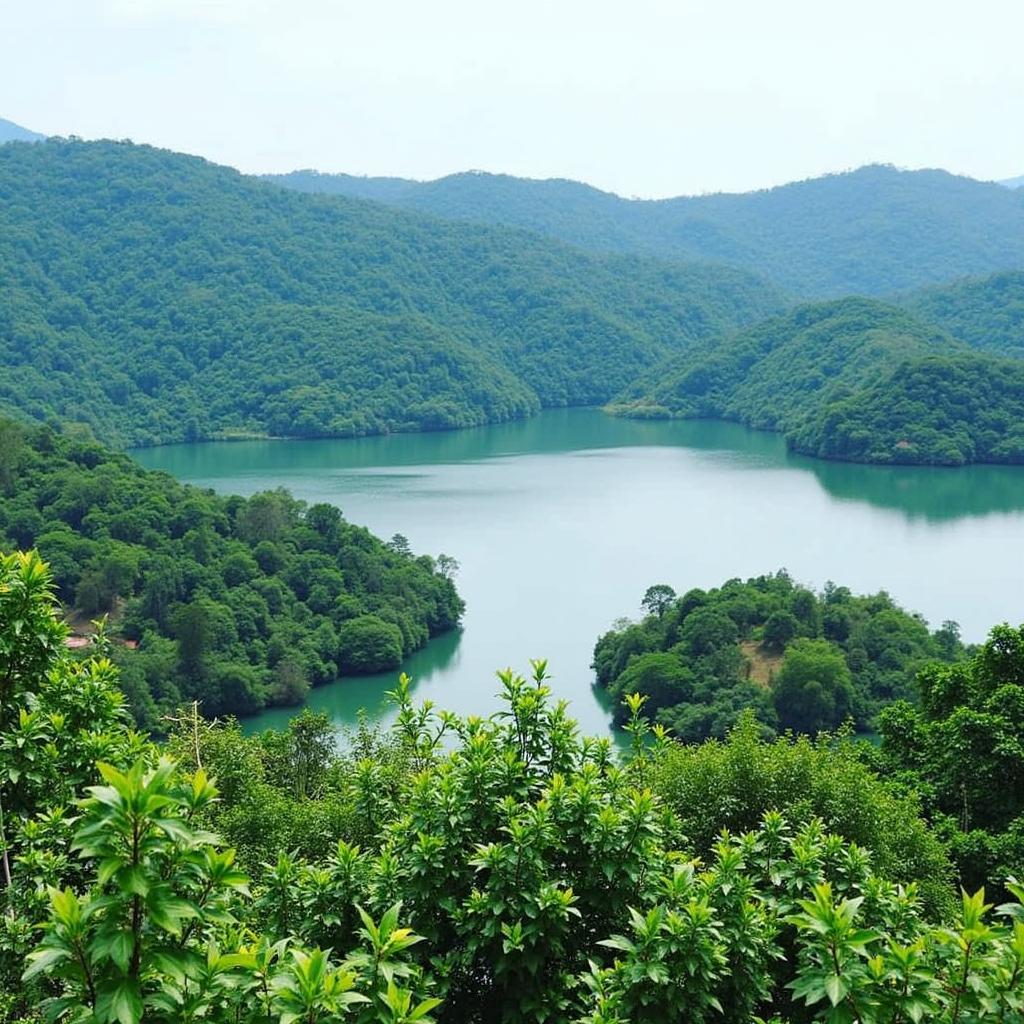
851 379
987 313
11 132
870 231
1013 182
158 297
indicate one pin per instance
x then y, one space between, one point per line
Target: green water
561 522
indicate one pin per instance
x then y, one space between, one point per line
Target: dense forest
157 297
508 869
852 379
227 306
750 660
802 661
237 603
871 231
987 313
960 750
938 410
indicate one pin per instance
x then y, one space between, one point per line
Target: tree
312 743
12 441
234 688
660 676
948 637
369 644
779 629
658 599
447 566
291 685
962 746
400 545
707 630
805 608
264 516
812 691
192 629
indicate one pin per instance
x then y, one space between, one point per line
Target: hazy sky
643 97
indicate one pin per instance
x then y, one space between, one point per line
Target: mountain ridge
11 132
159 297
870 231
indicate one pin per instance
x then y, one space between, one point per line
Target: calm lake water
561 522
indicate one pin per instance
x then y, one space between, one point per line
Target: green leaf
44 959
836 989
121 1002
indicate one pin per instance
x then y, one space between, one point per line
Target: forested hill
159 297
800 660
987 313
852 379
234 602
768 375
871 231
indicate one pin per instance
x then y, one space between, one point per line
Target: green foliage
851 972
482 870
368 644
987 313
813 691
158 933
852 379
800 660
157 297
57 718
934 410
870 231
236 603
731 784
962 750
658 599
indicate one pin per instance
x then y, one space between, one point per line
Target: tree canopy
157 297
870 231
798 660
237 603
852 379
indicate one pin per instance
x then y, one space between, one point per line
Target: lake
561 522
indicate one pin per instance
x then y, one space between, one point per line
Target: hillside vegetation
232 602
934 410
803 661
464 870
158 297
987 313
870 231
851 379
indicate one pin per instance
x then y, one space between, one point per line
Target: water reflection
933 494
345 698
562 522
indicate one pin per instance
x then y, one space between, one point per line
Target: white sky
642 97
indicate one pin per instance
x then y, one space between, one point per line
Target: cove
562 521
